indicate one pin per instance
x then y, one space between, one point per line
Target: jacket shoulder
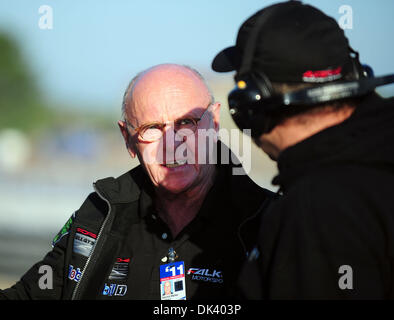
245 191
108 191
123 189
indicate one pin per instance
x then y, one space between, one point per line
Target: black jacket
331 234
106 218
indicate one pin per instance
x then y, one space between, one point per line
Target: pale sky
96 47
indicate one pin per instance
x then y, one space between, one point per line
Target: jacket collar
124 189
357 139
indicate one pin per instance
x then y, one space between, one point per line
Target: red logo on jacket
87 233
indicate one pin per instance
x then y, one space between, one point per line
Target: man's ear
127 138
216 115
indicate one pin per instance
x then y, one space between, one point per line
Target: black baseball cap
292 42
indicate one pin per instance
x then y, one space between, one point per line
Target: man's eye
153 126
185 122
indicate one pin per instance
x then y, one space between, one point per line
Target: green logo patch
63 231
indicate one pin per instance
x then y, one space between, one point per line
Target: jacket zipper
74 295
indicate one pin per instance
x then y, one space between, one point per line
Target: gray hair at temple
133 81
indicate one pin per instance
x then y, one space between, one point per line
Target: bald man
176 221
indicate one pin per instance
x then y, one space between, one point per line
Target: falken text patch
206 275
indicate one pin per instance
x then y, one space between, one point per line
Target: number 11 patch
172 281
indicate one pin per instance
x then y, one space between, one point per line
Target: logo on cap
322 75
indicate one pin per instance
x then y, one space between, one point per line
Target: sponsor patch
84 241
114 290
206 275
63 231
74 274
120 269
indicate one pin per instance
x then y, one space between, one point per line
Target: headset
253 99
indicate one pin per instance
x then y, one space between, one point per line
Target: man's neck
178 210
299 128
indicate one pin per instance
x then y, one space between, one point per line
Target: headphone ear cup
263 84
358 69
368 71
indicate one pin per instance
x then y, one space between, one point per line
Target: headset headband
336 91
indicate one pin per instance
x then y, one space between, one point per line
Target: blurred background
64 66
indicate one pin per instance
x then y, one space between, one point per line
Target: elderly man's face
167 288
165 94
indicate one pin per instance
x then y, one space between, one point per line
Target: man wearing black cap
312 107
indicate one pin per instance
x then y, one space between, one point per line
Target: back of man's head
288 47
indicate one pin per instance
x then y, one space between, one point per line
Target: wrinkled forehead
167 94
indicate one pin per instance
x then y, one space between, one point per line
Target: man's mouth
175 164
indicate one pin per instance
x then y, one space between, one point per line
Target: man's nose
170 141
